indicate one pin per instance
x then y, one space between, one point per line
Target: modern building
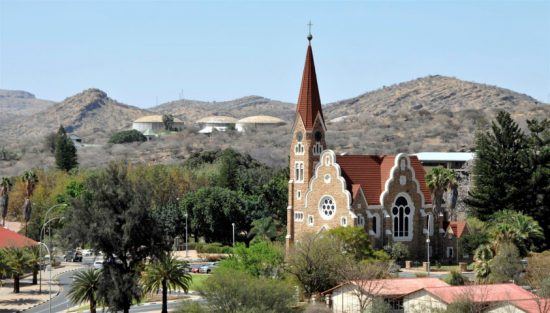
219 123
154 123
386 195
258 122
450 160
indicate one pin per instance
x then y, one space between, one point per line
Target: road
61 303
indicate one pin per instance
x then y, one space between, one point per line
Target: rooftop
261 119
445 156
217 119
11 239
154 119
481 293
396 286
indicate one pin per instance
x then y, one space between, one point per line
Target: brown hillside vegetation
15 104
434 113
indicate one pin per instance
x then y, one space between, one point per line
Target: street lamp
428 246
233 225
50 282
49 241
186 244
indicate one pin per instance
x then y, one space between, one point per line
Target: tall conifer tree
501 173
65 151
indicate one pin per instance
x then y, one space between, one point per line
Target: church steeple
309 102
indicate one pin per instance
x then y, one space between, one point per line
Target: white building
216 123
451 160
154 123
258 121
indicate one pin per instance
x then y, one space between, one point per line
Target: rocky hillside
192 110
15 104
90 114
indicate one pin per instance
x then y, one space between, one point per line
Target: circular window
327 178
318 136
395 211
299 136
407 210
327 207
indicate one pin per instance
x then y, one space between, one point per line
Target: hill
90 114
15 104
192 110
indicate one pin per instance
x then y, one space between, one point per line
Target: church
387 195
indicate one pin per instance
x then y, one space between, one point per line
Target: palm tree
439 180
5 186
515 228
16 259
263 229
30 178
34 262
84 288
482 256
166 273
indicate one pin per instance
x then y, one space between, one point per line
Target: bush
214 247
398 251
506 265
455 279
127 136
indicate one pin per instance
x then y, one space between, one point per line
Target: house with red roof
11 239
357 296
536 305
387 195
490 298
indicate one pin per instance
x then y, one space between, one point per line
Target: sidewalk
29 295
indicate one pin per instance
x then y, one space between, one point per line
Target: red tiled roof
481 293
536 305
309 101
10 239
396 287
372 171
458 228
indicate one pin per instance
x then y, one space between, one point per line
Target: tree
501 175
65 151
17 261
261 259
5 187
515 228
166 273
34 260
314 262
127 136
85 287
506 265
229 291
455 279
398 251
263 229
482 256
113 216
31 179
354 240
168 121
539 165
439 179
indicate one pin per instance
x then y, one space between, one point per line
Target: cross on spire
309 36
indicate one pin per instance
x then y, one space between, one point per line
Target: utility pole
233 225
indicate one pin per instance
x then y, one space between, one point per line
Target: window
299 171
396 304
402 218
299 136
374 226
327 178
344 221
360 220
310 220
299 194
317 149
327 207
298 216
450 252
299 149
318 136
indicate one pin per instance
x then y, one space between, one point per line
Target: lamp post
428 246
186 242
233 226
49 241
50 282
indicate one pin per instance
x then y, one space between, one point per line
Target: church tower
308 141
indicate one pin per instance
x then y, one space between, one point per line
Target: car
98 264
194 268
69 256
205 269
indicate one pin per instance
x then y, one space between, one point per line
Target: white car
98 265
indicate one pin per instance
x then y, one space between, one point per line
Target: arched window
299 148
344 221
402 218
360 220
299 171
374 230
327 207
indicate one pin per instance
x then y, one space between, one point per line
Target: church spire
309 102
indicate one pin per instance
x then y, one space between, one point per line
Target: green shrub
214 247
127 136
455 279
398 251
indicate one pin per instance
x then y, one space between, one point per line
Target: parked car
98 265
205 269
69 256
194 268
